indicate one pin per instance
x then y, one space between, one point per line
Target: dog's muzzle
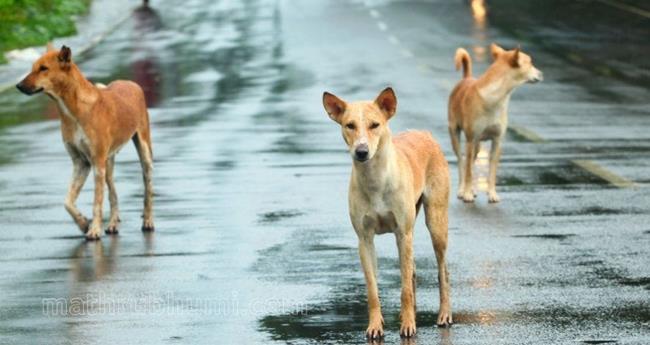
361 153
537 78
26 90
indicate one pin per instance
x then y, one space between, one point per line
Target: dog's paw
84 224
444 318
375 329
147 226
407 329
468 197
93 234
493 197
112 229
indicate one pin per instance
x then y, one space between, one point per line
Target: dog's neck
75 95
495 86
374 174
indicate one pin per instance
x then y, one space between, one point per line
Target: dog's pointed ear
387 101
495 50
514 60
334 106
65 56
49 47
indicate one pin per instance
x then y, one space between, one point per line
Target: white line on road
375 14
382 26
600 171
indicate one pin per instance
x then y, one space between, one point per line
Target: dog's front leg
100 178
368 257
79 175
404 239
495 155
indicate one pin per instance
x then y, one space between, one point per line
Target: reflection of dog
479 107
391 178
96 122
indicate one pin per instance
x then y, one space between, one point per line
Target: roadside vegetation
25 23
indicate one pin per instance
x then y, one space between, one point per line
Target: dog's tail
463 58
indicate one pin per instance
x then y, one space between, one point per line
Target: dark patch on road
560 174
547 236
224 165
271 217
590 211
324 247
599 341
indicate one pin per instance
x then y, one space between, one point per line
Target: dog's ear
387 101
49 47
65 57
495 50
334 106
514 60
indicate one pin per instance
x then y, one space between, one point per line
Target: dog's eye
374 125
42 68
350 126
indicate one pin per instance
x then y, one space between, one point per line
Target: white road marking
602 172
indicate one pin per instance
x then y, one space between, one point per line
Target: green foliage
25 23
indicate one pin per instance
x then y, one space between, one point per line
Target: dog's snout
26 90
361 152
21 87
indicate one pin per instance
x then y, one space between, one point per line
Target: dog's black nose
361 152
21 88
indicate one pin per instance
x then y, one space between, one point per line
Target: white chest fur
80 140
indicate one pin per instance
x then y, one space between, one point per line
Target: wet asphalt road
253 242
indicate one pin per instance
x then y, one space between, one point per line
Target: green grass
26 23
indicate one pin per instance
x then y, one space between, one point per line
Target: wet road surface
253 242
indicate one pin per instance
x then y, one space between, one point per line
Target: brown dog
391 179
95 122
479 107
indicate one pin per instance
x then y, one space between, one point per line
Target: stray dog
391 178
96 121
479 107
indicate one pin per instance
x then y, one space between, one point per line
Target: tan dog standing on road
391 178
479 108
95 122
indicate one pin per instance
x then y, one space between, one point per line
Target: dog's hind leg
436 213
468 191
114 219
368 258
142 142
495 155
81 169
454 133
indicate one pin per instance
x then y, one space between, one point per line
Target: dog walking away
479 108
96 121
392 177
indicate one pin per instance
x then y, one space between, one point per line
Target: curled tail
462 57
